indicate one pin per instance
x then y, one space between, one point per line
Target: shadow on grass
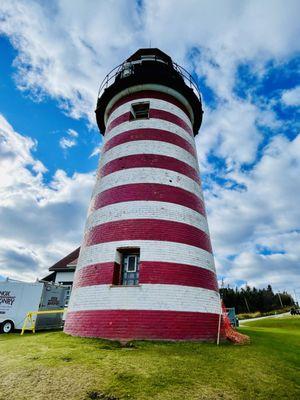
96 395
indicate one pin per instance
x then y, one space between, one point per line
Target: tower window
140 110
130 267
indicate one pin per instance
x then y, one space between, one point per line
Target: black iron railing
127 68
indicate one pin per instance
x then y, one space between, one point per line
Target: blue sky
245 57
45 122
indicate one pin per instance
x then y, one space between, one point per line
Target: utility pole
247 304
296 301
219 322
280 300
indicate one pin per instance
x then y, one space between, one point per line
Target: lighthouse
146 268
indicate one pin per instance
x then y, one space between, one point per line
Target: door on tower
130 269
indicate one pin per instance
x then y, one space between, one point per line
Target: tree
262 300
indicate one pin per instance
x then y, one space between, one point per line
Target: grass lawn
56 366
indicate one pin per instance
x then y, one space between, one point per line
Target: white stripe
149 147
147 175
150 123
145 297
147 209
154 103
149 86
150 250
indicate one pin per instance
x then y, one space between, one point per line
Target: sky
245 57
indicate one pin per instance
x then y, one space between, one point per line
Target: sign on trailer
18 298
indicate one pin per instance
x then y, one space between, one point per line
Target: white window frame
135 262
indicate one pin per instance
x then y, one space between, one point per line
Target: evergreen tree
249 299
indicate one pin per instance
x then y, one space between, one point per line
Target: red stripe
177 274
153 113
143 324
167 116
148 191
151 272
149 134
118 120
149 94
98 274
149 161
148 229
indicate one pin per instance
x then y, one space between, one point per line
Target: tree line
248 300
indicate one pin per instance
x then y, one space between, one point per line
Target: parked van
18 298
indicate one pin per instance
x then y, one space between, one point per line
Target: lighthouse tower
146 268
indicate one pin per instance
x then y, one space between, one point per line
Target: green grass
56 366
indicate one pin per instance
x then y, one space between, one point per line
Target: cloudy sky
245 57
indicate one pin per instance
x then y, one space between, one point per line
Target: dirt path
243 321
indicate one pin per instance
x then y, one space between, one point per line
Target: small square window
140 110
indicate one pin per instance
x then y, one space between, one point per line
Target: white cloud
291 97
65 50
264 215
66 143
39 223
15 163
96 151
231 132
226 33
73 133
70 141
280 269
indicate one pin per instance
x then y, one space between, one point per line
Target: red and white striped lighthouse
146 268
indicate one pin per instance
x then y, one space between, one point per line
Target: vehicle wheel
7 327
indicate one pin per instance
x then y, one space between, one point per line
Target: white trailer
18 298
